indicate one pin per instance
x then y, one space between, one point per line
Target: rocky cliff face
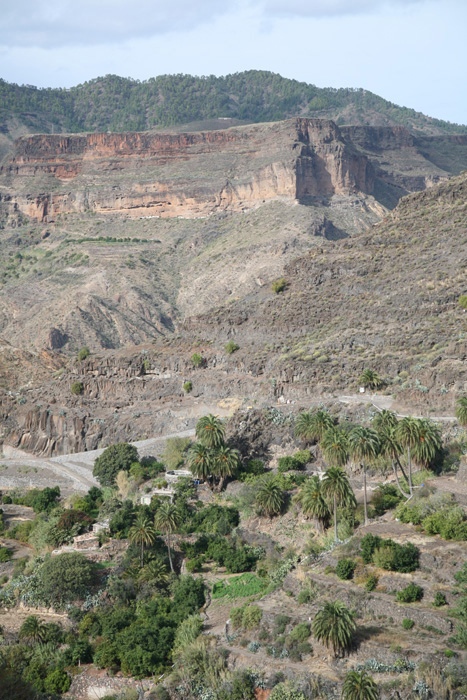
188 175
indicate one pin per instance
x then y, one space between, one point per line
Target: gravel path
71 472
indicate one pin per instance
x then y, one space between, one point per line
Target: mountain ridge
122 104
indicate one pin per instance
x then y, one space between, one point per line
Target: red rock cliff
188 175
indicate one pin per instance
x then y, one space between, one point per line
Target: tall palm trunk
399 464
406 495
335 517
170 555
365 506
142 551
410 471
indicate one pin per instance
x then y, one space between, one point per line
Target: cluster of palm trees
143 531
388 437
211 458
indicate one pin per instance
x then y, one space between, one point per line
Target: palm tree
210 431
336 485
313 502
429 442
408 433
335 446
167 519
270 496
391 447
370 379
461 410
364 445
33 629
200 461
384 419
359 685
142 532
311 426
334 625
225 462
154 572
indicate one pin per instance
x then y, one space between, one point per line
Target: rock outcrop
189 175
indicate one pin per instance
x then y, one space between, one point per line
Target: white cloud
52 23
331 8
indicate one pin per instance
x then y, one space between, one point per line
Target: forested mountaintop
122 104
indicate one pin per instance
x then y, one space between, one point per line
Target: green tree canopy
114 459
65 578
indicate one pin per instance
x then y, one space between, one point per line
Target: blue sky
412 52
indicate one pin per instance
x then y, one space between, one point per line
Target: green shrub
77 388
407 624
386 497
187 387
303 457
449 654
388 554
83 353
252 617
236 617
463 301
345 569
231 347
248 617
197 360
368 544
281 622
384 558
410 594
286 464
371 583
439 600
57 681
5 554
279 285
300 632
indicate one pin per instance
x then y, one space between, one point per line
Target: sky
411 52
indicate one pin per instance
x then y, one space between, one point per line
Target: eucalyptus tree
364 445
334 626
313 502
336 485
167 519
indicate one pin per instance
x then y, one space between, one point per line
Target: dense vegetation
139 613
122 104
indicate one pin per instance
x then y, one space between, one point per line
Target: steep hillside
386 299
